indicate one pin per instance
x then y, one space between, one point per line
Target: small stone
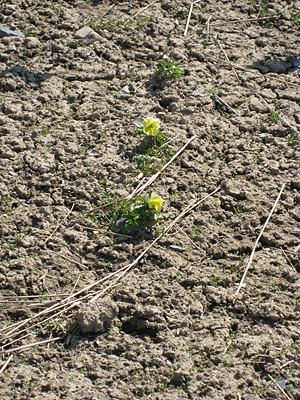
138 123
199 92
113 357
201 142
126 90
86 33
174 247
297 63
297 230
281 383
5 31
32 42
12 173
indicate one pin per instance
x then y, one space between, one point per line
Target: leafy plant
296 18
135 214
169 68
274 116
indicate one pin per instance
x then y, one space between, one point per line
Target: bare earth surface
172 328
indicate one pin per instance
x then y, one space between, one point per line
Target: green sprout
169 68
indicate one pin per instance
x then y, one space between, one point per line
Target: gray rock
97 316
113 357
87 34
297 230
5 31
32 42
199 92
12 173
281 383
250 397
126 90
297 63
174 247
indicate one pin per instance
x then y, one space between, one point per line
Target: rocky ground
69 98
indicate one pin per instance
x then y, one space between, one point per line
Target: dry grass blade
154 177
271 109
285 255
189 16
282 391
68 259
224 102
227 347
1 222
27 346
59 224
6 363
286 364
236 75
186 235
235 21
258 239
139 12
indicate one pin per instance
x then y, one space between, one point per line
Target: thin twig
284 253
143 9
68 259
282 391
207 28
16 340
257 240
27 346
169 141
224 102
221 47
286 364
271 109
189 17
1 222
227 347
6 363
222 22
59 224
193 243
34 296
154 177
119 234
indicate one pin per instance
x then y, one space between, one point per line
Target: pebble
297 63
125 90
174 247
296 230
113 357
201 142
281 383
199 92
12 173
138 123
5 31
169 362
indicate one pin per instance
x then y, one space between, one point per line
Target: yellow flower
151 126
155 201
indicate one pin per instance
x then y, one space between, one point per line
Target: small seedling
169 68
274 116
